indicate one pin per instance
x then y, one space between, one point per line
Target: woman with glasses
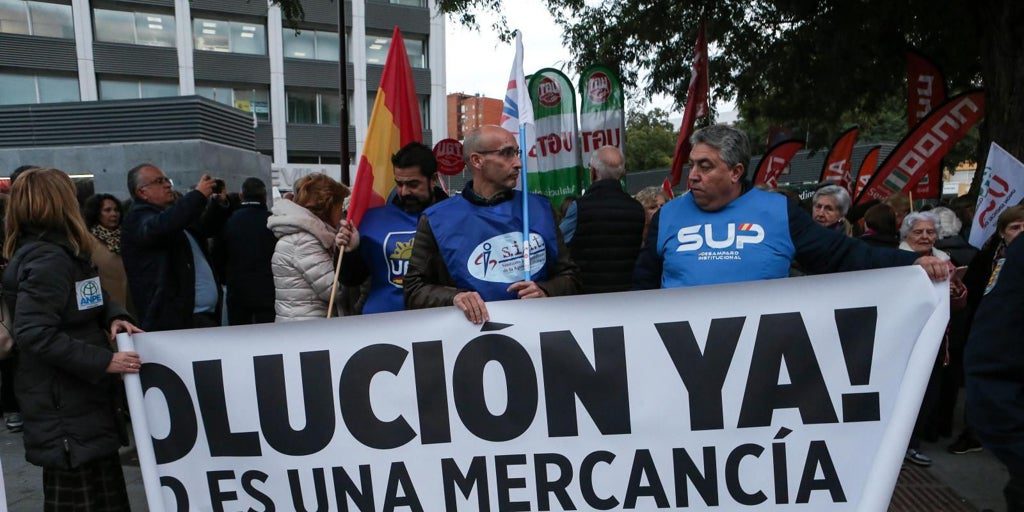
64 323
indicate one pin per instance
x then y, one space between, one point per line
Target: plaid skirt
96 486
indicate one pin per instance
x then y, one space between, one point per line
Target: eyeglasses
505 152
158 181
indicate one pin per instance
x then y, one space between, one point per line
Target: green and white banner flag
558 169
602 120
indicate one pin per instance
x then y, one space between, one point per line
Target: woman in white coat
303 261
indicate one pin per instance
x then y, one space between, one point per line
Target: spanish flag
394 122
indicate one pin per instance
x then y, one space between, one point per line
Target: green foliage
650 140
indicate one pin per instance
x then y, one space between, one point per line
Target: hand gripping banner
722 400
925 146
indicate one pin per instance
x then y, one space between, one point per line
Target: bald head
483 138
608 163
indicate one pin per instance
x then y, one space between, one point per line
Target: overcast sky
477 62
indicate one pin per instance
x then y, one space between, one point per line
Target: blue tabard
482 246
748 240
385 243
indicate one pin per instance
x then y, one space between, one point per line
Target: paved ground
955 483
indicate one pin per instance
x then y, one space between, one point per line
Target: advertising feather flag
696 107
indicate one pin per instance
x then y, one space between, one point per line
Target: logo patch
89 294
500 259
397 251
694 238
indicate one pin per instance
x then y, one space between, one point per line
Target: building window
229 36
36 19
245 99
295 158
314 108
377 50
20 89
414 3
116 89
310 44
134 28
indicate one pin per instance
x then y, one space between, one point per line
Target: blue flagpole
523 150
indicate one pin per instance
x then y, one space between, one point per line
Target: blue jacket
755 237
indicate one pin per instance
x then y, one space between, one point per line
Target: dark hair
133 178
253 189
881 218
17 172
94 205
416 154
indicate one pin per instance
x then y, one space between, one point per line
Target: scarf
109 237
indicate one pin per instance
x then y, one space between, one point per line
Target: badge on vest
397 251
89 294
500 259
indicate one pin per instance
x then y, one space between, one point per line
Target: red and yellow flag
394 122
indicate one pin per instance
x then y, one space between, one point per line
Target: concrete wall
184 161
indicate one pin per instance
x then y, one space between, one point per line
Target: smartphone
218 186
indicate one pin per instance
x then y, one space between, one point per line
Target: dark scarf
109 237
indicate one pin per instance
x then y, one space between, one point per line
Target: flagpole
523 148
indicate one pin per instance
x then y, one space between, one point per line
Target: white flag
1002 188
518 108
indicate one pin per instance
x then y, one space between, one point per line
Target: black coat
609 231
70 404
158 258
248 247
994 364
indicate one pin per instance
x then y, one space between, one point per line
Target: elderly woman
102 214
829 206
919 232
303 261
652 199
950 241
66 379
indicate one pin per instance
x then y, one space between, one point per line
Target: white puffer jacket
303 263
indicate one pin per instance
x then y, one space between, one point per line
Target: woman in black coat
67 376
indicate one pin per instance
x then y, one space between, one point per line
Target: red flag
926 89
775 161
925 146
696 106
394 122
867 168
839 161
666 187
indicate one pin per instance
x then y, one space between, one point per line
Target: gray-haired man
725 231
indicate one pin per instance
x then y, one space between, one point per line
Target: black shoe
918 458
14 423
966 443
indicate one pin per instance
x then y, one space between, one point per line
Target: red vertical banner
696 106
926 89
839 162
925 146
867 168
774 161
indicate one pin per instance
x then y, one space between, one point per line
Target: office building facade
237 52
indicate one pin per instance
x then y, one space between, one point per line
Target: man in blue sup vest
468 249
380 249
725 231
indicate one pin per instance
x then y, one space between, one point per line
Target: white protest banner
1001 188
701 398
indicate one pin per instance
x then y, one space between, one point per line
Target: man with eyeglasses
725 231
468 250
164 249
380 249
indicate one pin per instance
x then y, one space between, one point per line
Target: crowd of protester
202 256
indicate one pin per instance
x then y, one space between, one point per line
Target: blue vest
385 243
748 240
482 246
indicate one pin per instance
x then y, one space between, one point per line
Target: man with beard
380 249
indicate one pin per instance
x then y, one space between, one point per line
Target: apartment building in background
237 52
467 112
